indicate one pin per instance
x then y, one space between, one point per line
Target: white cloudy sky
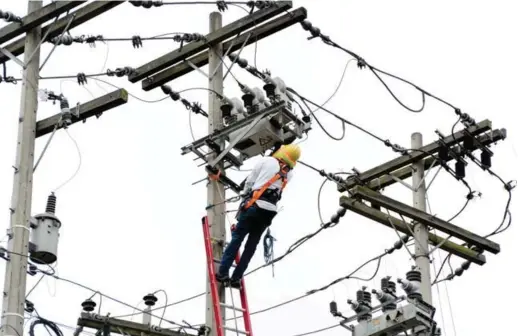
131 218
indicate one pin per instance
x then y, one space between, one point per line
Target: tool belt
271 196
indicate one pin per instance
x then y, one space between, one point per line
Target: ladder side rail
244 303
212 277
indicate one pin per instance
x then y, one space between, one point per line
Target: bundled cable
47 323
268 242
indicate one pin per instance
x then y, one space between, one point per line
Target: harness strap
258 193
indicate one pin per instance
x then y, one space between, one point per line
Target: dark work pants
252 222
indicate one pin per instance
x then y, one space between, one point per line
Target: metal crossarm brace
216 37
36 18
82 15
234 142
123 327
406 172
234 127
391 222
202 59
425 218
234 160
86 110
414 156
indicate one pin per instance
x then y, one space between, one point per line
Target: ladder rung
232 307
236 330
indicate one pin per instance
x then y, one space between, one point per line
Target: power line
318 330
362 63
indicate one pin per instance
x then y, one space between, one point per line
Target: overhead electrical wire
437 272
325 225
395 147
351 275
47 323
115 300
362 63
318 330
500 228
337 86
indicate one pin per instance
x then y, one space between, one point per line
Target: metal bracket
192 65
234 127
221 60
239 53
234 142
12 57
210 76
397 179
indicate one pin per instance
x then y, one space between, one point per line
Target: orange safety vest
282 174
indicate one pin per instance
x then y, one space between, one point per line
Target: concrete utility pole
16 268
215 190
420 230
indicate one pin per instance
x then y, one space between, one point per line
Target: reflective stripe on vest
258 193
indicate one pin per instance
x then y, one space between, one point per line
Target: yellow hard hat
289 154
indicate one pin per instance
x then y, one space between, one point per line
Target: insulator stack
388 287
414 277
460 169
485 159
150 300
333 308
364 298
51 204
88 305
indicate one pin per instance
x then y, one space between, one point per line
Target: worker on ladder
262 190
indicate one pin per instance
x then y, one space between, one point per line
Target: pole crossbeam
407 228
404 173
212 38
82 15
420 216
36 18
414 156
271 27
123 327
84 111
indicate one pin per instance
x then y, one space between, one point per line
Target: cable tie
222 6
361 63
136 41
81 78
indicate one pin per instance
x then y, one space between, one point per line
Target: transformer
45 234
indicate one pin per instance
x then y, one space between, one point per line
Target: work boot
222 278
235 283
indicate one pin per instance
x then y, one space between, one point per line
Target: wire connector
120 72
8 79
222 6
68 40
510 185
194 107
465 118
10 17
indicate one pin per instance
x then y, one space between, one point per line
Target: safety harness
266 194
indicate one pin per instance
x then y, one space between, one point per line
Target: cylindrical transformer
45 235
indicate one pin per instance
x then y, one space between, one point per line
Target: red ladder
217 305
